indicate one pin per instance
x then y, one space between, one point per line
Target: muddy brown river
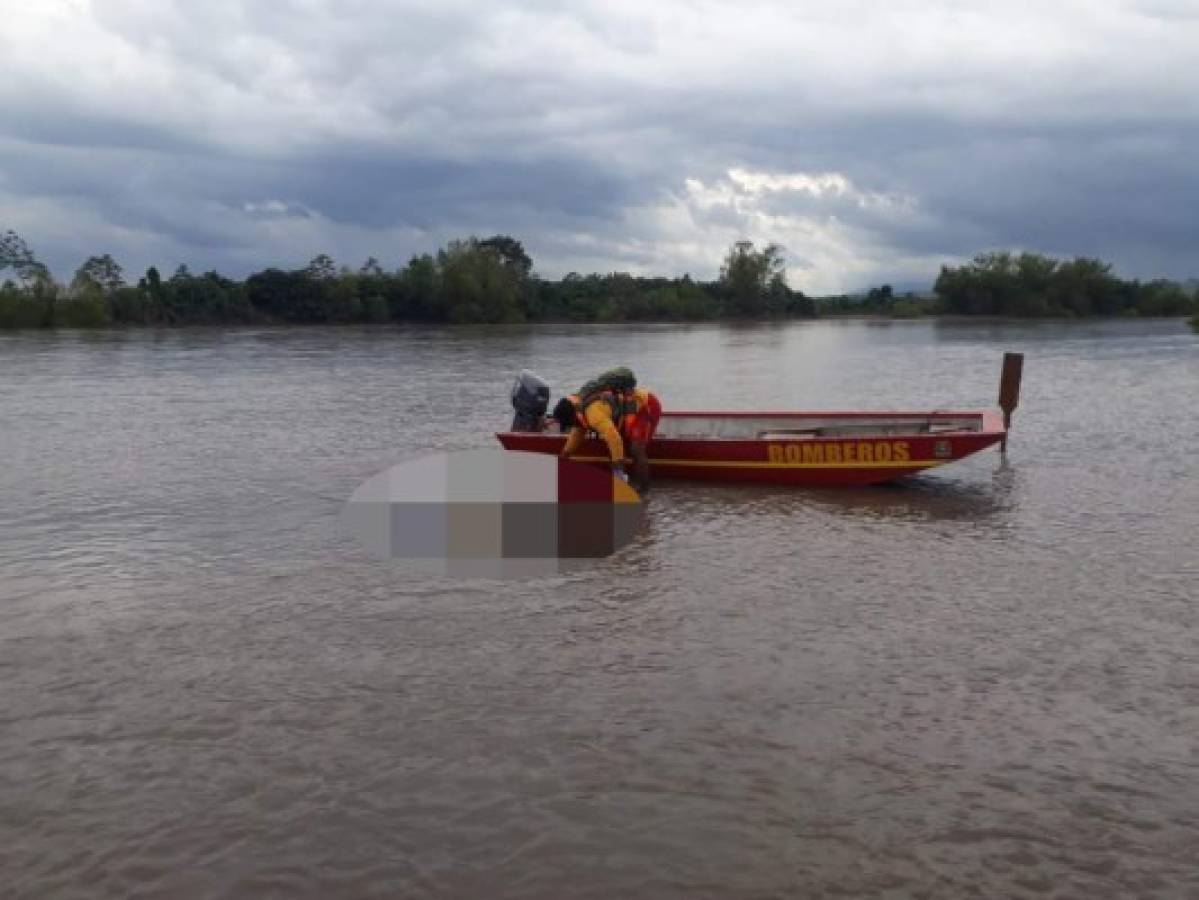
981 682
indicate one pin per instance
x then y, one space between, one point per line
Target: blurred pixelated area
494 513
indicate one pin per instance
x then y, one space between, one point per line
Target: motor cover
530 399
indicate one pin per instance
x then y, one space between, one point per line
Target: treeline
1030 284
881 301
1025 285
472 280
492 281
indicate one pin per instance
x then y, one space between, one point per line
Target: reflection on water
919 498
987 496
973 681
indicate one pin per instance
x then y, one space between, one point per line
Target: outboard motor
530 399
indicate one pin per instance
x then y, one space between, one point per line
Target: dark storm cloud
1120 195
190 198
873 142
378 192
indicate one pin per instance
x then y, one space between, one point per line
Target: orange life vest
621 407
645 421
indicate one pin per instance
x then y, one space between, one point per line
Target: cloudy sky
874 141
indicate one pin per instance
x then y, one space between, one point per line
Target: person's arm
600 420
573 442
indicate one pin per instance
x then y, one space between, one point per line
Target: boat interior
799 427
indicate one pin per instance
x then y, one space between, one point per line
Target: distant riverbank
877 319
291 299
492 281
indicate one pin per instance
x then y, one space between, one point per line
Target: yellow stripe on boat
763 464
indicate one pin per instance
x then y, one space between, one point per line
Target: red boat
814 448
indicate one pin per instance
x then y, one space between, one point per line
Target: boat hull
849 449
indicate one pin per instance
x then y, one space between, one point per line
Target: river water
984 681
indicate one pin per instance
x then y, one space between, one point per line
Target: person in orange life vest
639 431
622 420
603 413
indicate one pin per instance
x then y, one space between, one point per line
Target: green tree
881 298
16 255
321 268
84 305
31 307
1083 287
749 277
417 294
511 253
984 287
342 298
1162 298
100 272
287 296
207 298
88 309
477 284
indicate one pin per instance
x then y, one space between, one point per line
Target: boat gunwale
990 424
834 414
